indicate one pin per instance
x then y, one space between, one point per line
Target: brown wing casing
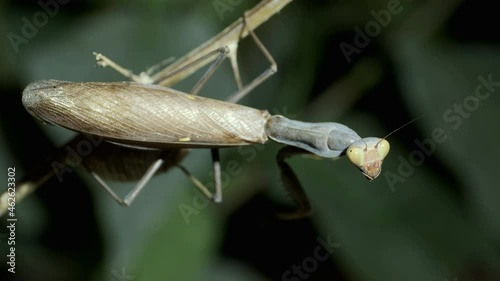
144 115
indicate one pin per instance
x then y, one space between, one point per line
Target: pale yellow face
368 154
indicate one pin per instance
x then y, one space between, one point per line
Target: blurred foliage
436 217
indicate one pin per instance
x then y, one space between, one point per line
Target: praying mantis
153 126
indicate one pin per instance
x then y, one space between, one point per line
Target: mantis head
368 154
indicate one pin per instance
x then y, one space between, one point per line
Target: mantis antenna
402 126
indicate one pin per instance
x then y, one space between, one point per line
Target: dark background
438 219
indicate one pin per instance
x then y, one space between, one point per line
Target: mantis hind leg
146 77
129 165
292 184
130 197
217 196
273 68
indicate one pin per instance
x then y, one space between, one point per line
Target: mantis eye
368 154
356 155
383 148
361 155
